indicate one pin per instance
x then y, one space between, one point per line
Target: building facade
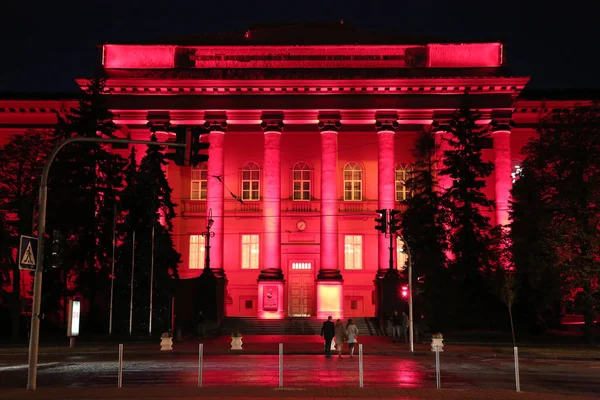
306 142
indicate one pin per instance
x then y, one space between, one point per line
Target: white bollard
438 381
517 380
200 359
120 378
360 365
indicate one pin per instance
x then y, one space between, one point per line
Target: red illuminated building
306 142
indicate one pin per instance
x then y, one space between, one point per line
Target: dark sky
45 44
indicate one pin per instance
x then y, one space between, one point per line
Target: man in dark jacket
328 332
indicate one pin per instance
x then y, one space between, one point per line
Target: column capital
501 125
216 125
272 125
386 125
438 126
329 123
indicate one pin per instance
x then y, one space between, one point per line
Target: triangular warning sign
28 257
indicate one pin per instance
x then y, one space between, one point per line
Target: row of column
329 278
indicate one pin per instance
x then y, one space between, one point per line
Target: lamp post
208 234
410 301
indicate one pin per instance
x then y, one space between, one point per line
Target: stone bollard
166 341
437 340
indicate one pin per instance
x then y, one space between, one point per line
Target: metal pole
120 379
280 364
151 282
131 286
517 380
410 299
360 365
200 360
112 271
438 381
34 335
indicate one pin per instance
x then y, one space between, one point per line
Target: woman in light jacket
352 332
340 333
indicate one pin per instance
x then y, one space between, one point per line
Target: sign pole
34 336
112 273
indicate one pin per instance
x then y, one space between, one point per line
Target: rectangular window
301 185
250 251
401 256
199 184
353 252
197 251
251 185
402 192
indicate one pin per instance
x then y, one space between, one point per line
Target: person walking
405 326
340 335
396 326
352 332
328 332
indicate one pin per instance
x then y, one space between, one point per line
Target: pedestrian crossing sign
28 253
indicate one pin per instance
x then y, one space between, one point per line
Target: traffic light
404 292
56 248
394 221
178 156
381 221
195 146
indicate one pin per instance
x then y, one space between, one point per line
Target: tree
565 162
468 230
84 182
422 227
145 200
21 164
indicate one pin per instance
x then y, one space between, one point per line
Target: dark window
354 304
248 304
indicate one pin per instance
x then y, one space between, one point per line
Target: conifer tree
564 163
468 229
84 182
422 227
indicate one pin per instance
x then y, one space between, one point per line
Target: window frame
248 194
355 258
248 254
353 167
203 167
200 252
306 168
402 193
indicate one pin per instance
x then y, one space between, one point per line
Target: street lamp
410 291
208 234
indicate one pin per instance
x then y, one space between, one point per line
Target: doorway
301 284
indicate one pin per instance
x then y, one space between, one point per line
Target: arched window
199 182
353 174
301 181
251 181
403 174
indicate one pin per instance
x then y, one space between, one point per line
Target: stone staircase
292 326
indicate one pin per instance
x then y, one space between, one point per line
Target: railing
198 207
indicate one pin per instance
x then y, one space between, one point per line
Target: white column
214 195
503 164
386 185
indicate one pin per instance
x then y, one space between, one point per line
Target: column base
330 298
329 274
270 299
270 274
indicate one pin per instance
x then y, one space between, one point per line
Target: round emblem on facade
301 225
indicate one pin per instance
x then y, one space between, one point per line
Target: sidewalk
269 344
213 393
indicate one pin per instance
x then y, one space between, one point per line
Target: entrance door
301 289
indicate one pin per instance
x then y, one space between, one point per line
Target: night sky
47 44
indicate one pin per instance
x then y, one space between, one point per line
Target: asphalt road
169 369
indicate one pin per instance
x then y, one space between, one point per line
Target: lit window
249 251
517 173
401 256
251 181
199 182
353 252
403 172
301 265
197 251
301 178
353 181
